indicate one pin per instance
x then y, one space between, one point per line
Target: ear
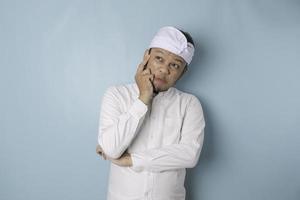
185 69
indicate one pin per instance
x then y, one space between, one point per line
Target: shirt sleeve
117 128
185 154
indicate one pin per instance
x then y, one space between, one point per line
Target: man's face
167 68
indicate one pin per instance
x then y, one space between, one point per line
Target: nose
164 69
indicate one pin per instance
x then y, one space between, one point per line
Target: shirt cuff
138 109
138 162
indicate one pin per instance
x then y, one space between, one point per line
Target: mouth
160 81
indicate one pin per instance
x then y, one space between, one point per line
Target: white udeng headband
171 39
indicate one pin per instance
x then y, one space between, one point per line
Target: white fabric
171 39
163 140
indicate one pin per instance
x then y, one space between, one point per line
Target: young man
149 130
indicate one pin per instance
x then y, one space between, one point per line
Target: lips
159 80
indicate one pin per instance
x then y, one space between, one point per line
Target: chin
159 89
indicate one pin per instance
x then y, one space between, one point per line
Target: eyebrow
178 60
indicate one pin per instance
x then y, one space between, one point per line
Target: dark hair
188 37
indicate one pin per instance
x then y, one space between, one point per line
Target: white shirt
163 139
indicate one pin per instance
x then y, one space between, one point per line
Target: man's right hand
144 79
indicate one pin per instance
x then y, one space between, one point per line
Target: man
149 130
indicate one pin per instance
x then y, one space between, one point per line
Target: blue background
57 58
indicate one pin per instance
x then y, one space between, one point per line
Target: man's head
171 50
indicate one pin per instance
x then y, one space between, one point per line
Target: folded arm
185 154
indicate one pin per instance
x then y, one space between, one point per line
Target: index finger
144 63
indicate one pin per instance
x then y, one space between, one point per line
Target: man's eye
158 58
175 66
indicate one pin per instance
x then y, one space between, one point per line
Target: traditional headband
173 40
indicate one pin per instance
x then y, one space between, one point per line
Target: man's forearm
170 157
